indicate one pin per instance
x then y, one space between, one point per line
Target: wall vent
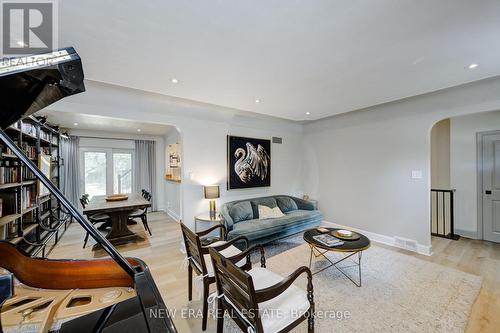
277 140
405 243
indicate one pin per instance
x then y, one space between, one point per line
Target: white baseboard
387 240
173 215
466 233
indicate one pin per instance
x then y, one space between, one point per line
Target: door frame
479 172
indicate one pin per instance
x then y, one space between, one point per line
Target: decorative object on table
346 235
174 163
322 230
307 198
248 162
117 197
212 192
328 240
44 164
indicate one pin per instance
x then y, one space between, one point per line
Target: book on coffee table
328 240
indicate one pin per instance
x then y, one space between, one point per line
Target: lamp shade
212 192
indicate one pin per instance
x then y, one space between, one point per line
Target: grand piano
43 295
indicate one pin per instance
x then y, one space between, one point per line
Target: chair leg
310 323
205 305
86 239
146 226
220 317
190 282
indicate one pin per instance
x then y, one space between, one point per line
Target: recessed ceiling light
75 124
138 130
21 43
174 80
472 66
308 113
257 101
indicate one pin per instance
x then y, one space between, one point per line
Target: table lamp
212 192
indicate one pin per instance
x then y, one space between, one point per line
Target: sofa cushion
254 229
286 204
266 201
241 211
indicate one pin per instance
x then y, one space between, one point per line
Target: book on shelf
328 240
29 129
9 203
9 172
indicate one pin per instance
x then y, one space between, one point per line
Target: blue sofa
241 218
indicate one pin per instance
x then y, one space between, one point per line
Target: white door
491 187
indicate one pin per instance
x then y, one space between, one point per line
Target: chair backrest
145 193
237 287
84 200
193 248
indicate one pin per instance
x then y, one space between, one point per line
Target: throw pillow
269 213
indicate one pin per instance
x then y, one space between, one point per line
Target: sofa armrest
304 204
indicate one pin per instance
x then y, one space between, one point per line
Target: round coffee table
349 249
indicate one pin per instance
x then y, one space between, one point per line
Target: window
122 172
94 173
106 171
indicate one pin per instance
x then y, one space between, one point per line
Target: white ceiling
87 122
319 56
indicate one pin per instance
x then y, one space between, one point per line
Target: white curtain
145 168
70 177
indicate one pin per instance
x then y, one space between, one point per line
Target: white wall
172 189
440 155
464 167
203 129
359 164
115 140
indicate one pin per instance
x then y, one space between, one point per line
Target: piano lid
29 84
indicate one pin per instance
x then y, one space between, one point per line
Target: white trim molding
399 242
173 215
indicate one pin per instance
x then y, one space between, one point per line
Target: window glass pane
122 172
95 173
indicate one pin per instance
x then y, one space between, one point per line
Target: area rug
399 293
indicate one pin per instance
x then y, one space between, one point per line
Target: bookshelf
27 218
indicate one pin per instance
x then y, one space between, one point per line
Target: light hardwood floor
161 253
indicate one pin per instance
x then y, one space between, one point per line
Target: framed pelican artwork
248 162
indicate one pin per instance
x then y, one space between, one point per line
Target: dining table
119 212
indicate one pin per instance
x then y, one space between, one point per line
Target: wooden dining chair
94 218
199 260
259 300
142 213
